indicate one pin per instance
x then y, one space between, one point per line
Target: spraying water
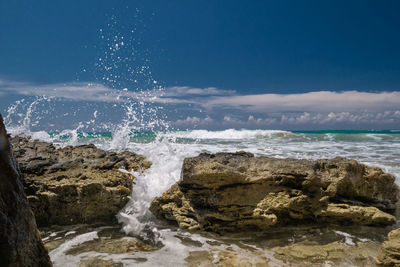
132 119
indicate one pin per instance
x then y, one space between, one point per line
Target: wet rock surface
70 185
237 191
85 245
93 245
99 262
389 254
20 242
111 246
226 258
331 254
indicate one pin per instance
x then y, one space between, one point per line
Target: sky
297 65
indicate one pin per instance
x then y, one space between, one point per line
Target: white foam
349 239
59 256
229 134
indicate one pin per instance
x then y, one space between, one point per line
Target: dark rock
20 242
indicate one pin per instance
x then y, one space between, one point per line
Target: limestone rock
389 254
20 242
225 258
111 246
335 253
99 262
71 185
231 191
356 214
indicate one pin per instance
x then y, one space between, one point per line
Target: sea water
167 150
128 120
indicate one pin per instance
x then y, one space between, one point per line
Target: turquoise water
378 148
167 150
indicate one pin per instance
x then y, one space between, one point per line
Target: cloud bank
322 101
216 108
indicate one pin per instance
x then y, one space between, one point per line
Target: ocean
167 150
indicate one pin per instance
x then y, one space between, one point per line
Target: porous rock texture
20 242
71 185
237 191
389 254
330 254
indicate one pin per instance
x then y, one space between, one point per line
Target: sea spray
131 105
129 91
166 158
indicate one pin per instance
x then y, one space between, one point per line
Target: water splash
122 70
123 67
166 158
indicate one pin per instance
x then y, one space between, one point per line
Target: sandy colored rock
71 185
356 214
113 246
335 253
20 241
237 191
225 258
389 254
99 262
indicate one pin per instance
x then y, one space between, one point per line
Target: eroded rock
225 258
331 254
111 246
20 242
99 262
389 254
71 185
231 191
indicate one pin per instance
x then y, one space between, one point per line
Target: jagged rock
20 242
231 191
389 254
355 214
70 185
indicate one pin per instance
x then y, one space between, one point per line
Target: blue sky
209 64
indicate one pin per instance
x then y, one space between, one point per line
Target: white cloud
74 91
214 98
194 121
322 101
339 117
102 93
321 120
184 91
260 110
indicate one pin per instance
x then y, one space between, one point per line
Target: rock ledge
231 191
71 185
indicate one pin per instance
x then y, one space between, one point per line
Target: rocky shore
237 191
303 209
72 185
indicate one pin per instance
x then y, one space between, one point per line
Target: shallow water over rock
91 245
174 247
